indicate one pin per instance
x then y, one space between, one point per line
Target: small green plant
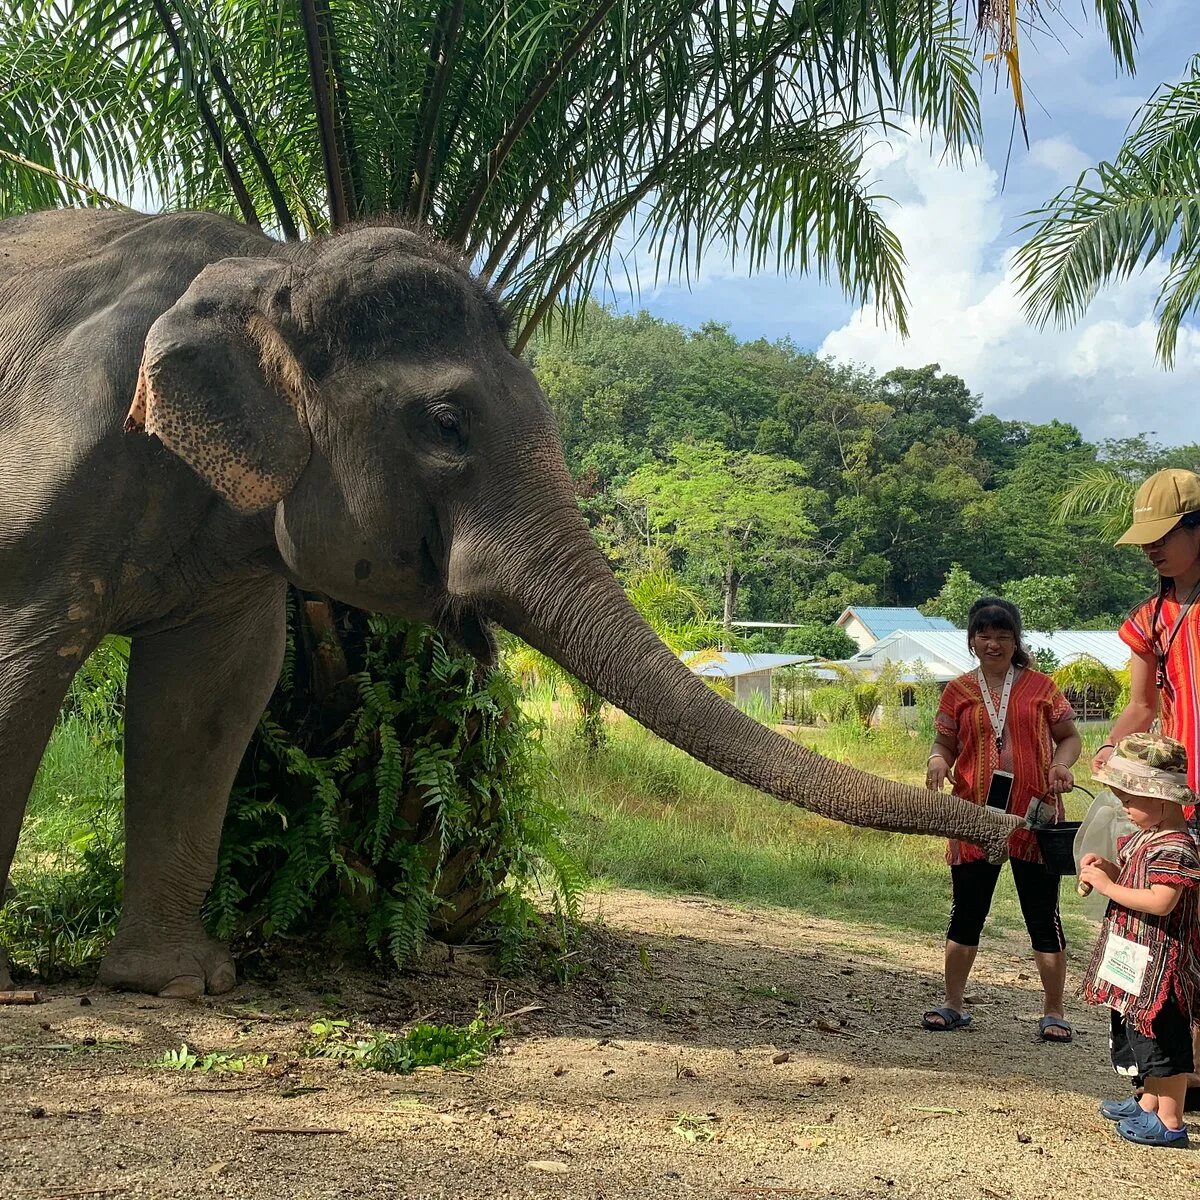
454 1047
215 1062
695 1128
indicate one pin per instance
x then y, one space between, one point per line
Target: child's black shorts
1168 1052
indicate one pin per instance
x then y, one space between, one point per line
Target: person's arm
942 754
1156 900
1067 745
1138 715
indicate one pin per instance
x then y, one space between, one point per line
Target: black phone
999 790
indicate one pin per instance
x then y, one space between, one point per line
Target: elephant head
362 390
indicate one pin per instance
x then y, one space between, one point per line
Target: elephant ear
220 387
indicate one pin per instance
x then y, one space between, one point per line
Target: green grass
641 814
645 815
66 877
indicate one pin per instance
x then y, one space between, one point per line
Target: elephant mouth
470 628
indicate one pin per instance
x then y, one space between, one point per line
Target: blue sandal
950 1019
1147 1130
1119 1110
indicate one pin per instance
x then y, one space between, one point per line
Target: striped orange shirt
1034 704
1178 708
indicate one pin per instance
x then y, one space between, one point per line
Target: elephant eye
449 425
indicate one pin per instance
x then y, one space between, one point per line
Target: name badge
1124 964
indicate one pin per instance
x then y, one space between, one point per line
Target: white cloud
1060 156
965 313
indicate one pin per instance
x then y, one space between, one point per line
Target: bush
420 812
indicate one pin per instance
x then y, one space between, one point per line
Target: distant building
941 656
750 674
866 626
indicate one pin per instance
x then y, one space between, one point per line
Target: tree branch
441 62
283 213
318 70
500 152
236 182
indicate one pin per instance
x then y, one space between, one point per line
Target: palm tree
556 142
1121 215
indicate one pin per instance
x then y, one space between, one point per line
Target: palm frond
1100 494
1121 216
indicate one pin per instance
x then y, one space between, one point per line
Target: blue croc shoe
1147 1130
1119 1110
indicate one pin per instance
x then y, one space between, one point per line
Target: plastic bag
1098 833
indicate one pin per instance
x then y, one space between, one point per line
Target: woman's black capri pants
974 884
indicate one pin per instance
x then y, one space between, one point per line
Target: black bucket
1057 842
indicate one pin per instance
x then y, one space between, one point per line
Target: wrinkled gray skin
344 414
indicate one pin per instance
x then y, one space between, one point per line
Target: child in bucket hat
1146 964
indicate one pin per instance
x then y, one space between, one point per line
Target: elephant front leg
194 696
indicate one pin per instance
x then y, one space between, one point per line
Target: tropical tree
736 512
1121 215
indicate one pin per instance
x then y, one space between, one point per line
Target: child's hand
1094 860
1096 877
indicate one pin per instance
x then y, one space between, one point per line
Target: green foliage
425 814
955 597
821 641
833 702
736 513
65 903
749 132
1046 602
450 1046
215 1062
1120 216
900 477
66 882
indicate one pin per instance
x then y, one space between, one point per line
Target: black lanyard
1161 682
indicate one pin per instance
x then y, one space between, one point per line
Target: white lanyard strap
997 717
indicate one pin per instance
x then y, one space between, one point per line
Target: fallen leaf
782 1057
549 1165
809 1143
952 1112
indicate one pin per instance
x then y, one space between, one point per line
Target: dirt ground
703 1050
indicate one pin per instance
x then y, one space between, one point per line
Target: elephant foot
180 967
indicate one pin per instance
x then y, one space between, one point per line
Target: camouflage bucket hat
1148 764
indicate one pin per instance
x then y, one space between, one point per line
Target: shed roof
945 654
730 665
884 621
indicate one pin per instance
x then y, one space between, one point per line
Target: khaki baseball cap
1160 502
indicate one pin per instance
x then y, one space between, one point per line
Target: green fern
348 831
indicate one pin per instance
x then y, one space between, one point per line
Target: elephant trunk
560 596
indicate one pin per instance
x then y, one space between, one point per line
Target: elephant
194 415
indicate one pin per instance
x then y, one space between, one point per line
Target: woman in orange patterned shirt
1163 632
1005 734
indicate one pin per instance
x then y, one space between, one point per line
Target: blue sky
958 225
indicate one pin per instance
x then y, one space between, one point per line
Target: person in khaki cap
1163 633
1146 964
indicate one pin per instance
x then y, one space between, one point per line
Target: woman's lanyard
1161 650
996 716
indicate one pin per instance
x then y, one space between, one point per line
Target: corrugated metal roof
884 621
732 665
945 654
